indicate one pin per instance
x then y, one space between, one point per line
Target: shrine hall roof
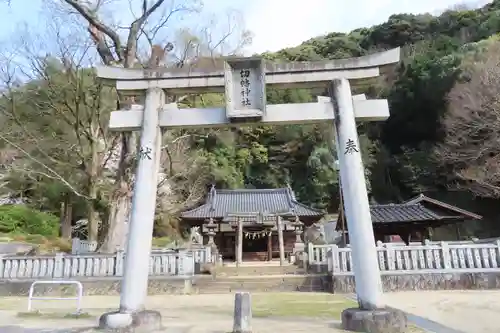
401 213
226 203
419 209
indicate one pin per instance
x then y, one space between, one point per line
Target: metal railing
78 297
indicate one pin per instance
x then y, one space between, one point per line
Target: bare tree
150 28
58 117
113 50
184 177
472 145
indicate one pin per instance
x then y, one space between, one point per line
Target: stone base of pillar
140 322
374 321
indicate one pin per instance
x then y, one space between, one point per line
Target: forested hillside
442 136
416 150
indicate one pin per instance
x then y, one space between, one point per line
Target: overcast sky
276 24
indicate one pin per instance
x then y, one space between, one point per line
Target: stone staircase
257 270
259 277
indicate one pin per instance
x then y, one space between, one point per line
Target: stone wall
198 285
101 286
283 283
433 281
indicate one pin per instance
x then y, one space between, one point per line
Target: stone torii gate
244 82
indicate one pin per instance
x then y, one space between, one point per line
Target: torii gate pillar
134 285
354 191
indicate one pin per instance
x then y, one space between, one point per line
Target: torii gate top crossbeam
209 77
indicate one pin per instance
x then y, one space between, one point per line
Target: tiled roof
401 213
227 203
452 210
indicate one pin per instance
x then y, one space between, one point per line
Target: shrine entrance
252 224
243 81
257 245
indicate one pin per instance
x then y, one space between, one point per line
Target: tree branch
135 29
52 174
94 21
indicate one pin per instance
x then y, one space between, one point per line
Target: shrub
61 245
22 219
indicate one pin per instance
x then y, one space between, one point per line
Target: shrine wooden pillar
279 227
239 243
270 246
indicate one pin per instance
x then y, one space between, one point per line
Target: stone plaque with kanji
245 88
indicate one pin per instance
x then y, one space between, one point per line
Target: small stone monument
242 313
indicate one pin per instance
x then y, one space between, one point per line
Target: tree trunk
93 221
66 217
118 221
120 204
125 55
92 215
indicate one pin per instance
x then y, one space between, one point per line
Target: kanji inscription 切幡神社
245 88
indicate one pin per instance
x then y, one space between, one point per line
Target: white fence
62 266
202 254
397 259
79 246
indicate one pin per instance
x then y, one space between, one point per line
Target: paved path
471 311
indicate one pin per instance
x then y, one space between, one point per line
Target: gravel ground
181 314
464 311
471 311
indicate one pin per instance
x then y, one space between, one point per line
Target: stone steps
264 283
203 284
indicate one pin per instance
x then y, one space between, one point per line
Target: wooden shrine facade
412 220
252 224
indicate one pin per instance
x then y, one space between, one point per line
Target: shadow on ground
19 329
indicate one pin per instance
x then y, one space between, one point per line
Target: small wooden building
412 220
258 215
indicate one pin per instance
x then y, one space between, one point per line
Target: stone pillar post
357 207
270 245
135 277
239 243
279 227
134 285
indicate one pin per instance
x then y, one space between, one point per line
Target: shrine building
412 220
264 220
